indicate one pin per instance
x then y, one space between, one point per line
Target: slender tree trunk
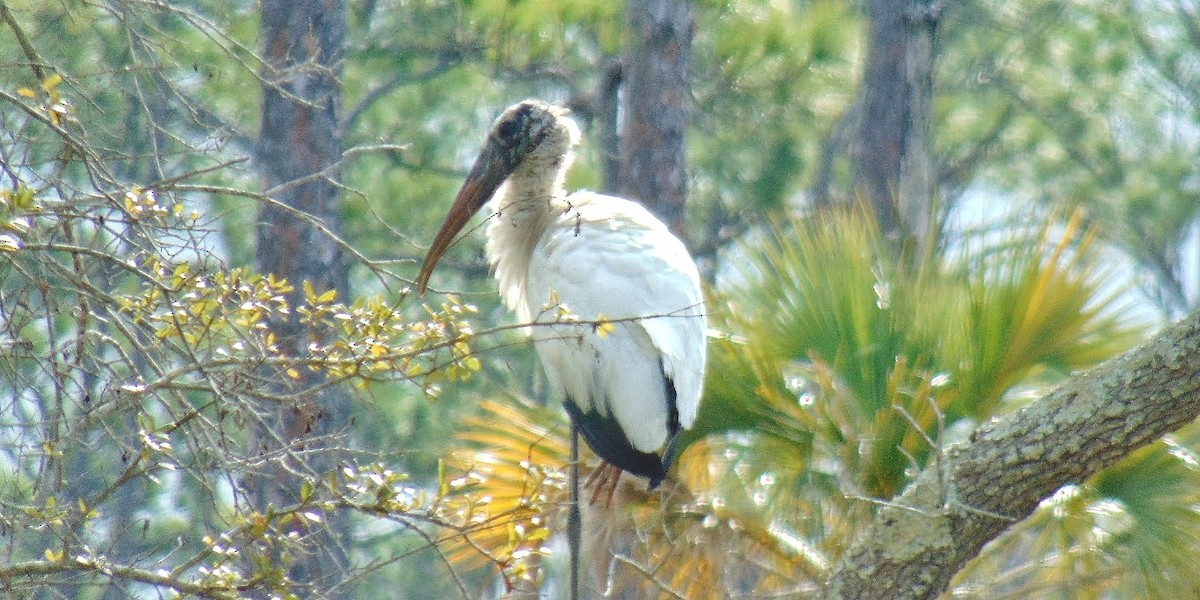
608 136
653 169
298 154
891 149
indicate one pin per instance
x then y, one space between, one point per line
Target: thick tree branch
917 544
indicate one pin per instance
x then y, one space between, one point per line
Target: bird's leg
603 476
594 476
615 477
574 518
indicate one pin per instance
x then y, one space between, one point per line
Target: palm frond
512 456
1038 310
816 287
1148 505
1130 532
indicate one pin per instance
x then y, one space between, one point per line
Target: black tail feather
606 438
608 441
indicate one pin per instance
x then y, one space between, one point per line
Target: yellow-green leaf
51 82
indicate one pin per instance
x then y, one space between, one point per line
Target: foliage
1086 103
136 360
127 358
520 486
1118 533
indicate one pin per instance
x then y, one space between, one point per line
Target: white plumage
630 387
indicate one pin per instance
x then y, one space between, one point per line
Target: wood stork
632 383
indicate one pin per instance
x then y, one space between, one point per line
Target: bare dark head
522 129
529 134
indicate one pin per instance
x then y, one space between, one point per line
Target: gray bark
653 169
298 154
978 489
891 148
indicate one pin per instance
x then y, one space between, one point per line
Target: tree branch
37 568
921 539
447 58
35 60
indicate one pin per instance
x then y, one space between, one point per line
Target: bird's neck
522 212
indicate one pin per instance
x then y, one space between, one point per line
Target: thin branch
447 59
87 565
35 59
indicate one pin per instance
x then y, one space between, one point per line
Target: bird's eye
509 128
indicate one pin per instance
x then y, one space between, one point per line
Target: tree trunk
298 154
653 170
891 149
608 136
978 489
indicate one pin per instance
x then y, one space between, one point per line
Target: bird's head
529 135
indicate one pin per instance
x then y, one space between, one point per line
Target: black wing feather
606 438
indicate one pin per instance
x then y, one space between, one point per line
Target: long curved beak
488 172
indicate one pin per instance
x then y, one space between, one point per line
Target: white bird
630 370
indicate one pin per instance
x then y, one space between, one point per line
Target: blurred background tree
141 359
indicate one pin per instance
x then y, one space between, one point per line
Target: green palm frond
1130 532
738 370
818 288
1038 310
900 343
835 317
1151 517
